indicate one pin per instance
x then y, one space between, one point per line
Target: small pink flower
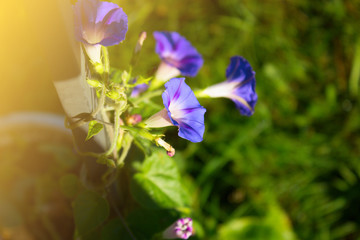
182 229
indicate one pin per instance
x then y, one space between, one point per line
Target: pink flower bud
182 229
134 119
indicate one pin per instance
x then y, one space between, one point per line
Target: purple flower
99 23
182 109
138 89
178 53
239 86
182 228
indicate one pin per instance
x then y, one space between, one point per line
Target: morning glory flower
177 54
99 23
182 109
239 86
182 229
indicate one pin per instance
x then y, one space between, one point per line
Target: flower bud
171 153
134 119
182 229
140 41
169 149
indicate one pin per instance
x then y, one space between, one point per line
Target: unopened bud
140 41
134 119
182 229
169 149
171 153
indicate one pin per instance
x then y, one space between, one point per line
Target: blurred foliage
300 150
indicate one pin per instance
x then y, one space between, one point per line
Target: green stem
103 122
87 154
199 93
147 96
116 131
109 177
101 102
155 84
74 125
106 59
113 143
124 153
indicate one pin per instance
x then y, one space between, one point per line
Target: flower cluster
103 24
124 97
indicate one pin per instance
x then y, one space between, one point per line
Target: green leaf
158 183
141 80
135 131
279 222
94 128
94 83
115 95
90 210
144 145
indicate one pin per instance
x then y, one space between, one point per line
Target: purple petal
178 52
244 94
184 109
247 92
99 22
192 127
239 70
138 89
103 9
181 221
115 28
